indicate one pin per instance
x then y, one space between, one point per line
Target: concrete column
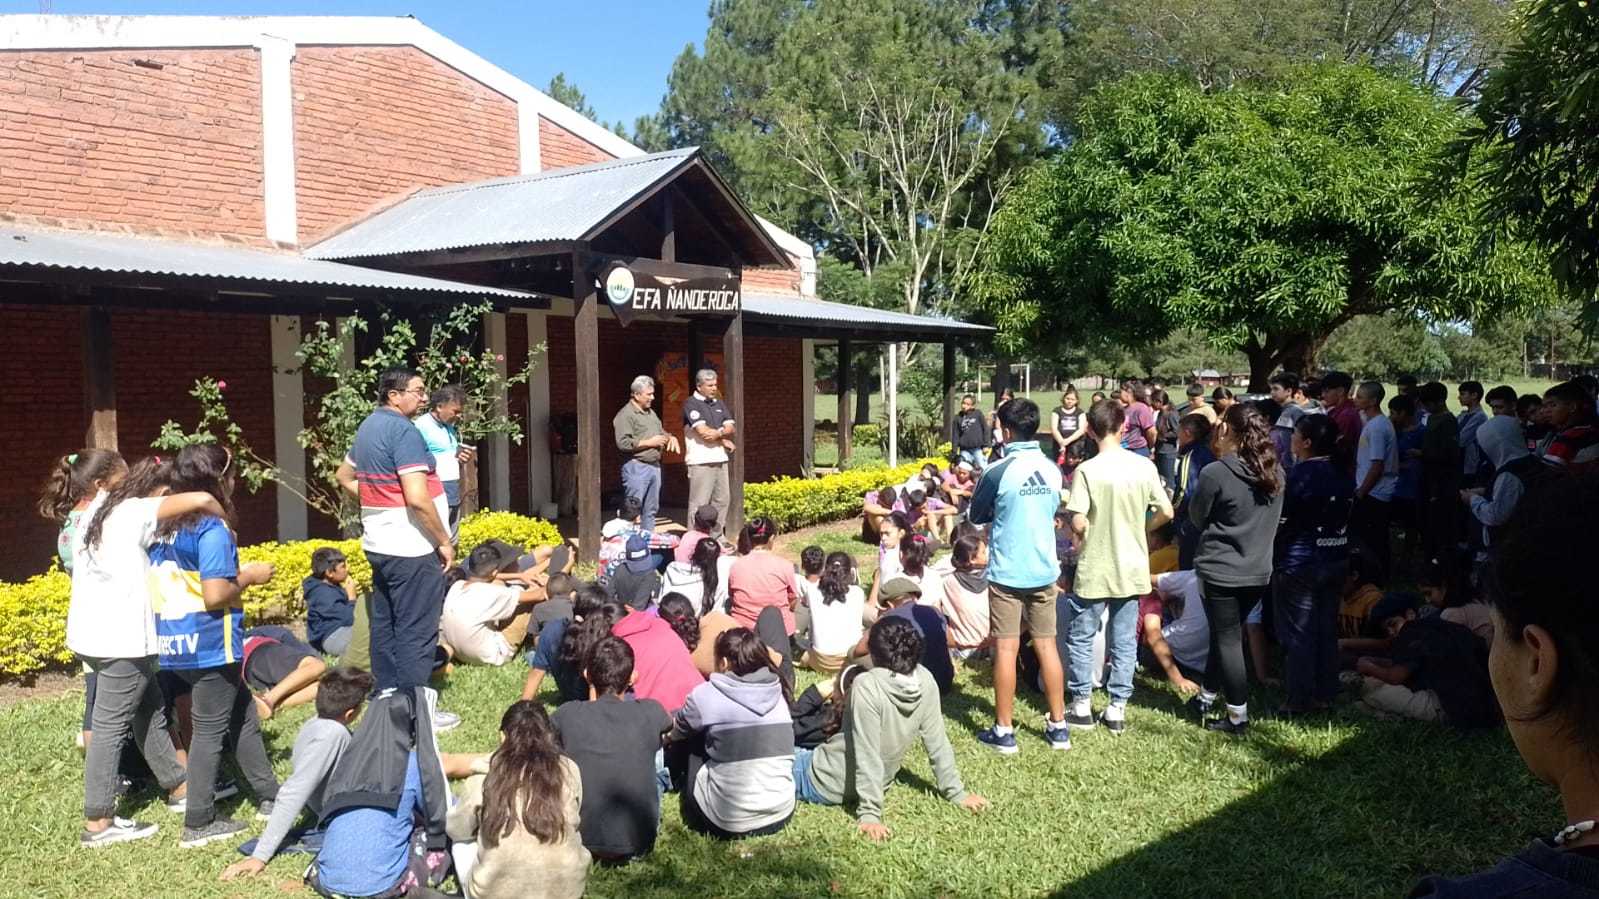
808 413
288 418
499 468
540 486
277 140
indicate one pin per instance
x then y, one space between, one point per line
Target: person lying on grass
1542 662
889 707
317 748
280 669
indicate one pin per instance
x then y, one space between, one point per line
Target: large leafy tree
1264 216
1534 139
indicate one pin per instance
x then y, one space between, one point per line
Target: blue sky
618 52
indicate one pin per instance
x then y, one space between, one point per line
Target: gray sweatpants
707 485
126 697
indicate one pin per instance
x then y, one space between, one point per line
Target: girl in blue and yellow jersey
197 585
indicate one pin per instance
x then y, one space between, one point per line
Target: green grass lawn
1346 805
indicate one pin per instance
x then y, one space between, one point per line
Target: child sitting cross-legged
614 740
889 707
516 828
739 741
317 749
479 610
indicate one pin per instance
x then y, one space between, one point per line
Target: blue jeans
974 456
1121 643
643 480
1139 451
804 790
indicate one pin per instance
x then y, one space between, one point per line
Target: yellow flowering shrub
33 614
33 623
799 502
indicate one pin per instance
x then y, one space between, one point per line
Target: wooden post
733 376
949 391
696 355
99 379
586 338
845 435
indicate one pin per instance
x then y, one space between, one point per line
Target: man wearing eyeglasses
403 510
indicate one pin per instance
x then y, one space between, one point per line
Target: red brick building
161 176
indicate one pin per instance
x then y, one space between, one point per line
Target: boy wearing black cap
635 581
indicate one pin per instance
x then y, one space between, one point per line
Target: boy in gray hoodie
888 708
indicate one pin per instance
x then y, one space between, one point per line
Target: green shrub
801 502
33 623
869 435
33 614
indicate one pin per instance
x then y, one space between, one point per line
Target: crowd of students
1186 540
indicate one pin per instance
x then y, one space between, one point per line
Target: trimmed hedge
801 502
33 614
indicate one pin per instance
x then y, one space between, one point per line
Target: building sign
632 292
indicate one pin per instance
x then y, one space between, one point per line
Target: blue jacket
1019 495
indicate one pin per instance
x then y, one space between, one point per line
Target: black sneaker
1225 725
218 829
1199 708
122 830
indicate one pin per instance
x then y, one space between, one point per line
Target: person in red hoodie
663 670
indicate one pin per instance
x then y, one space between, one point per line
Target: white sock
1001 730
1238 714
1081 708
1207 698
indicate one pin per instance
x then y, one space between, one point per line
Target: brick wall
161 140
153 383
772 438
373 123
42 361
772 280
560 148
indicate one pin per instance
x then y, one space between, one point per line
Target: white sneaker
1114 718
443 721
122 830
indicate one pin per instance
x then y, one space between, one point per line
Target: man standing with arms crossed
641 438
707 439
390 470
1112 494
1017 496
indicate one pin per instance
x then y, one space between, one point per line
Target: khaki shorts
1007 607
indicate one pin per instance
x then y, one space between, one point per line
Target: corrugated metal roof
790 309
99 252
558 205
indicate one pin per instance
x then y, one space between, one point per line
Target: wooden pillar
696 354
586 337
99 379
845 407
949 389
733 376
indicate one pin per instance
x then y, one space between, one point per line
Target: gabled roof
553 207
30 251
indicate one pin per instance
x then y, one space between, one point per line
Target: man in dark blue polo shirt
707 439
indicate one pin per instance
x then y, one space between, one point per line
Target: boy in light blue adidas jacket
1017 497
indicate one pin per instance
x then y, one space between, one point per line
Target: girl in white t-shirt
836 615
111 626
703 578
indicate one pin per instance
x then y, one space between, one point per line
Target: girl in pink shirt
663 670
760 577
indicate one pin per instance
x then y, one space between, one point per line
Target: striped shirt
387 446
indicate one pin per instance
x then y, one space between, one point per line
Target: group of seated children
931 502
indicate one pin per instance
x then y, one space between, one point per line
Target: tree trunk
1260 367
863 391
1298 356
